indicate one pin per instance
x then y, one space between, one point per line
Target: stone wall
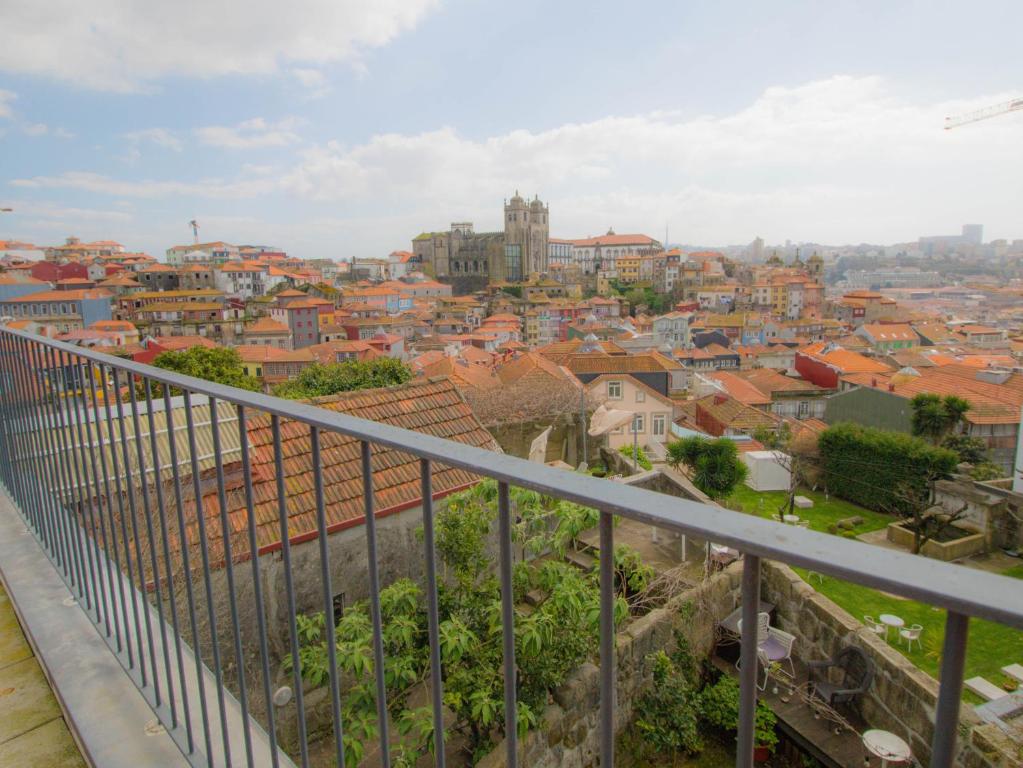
569 735
902 698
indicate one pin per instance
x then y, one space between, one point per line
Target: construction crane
195 230
983 114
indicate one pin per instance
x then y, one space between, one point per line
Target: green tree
322 380
219 365
971 450
934 417
714 465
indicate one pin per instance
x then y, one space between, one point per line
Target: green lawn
823 513
990 647
1016 572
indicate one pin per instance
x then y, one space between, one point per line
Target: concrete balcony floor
32 728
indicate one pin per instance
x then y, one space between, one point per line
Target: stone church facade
469 260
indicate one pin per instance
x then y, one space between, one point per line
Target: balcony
179 531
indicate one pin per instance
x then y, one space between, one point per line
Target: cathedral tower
526 232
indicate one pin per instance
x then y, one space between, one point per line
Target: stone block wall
569 735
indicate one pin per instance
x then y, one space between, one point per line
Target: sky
340 128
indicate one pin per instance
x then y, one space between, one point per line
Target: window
804 407
259 371
637 423
614 390
640 396
657 424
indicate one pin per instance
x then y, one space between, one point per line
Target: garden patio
991 646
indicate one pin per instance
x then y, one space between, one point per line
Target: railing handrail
958 589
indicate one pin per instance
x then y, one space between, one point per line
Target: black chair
857 672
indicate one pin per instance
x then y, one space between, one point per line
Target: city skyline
340 145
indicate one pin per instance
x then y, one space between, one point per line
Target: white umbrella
605 419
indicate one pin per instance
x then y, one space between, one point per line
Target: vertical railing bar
92 543
57 473
120 510
165 542
186 566
30 500
133 511
22 492
328 596
950 694
204 552
250 515
374 602
432 613
749 660
74 470
6 417
109 546
225 525
608 651
36 430
511 734
282 515
44 475
147 516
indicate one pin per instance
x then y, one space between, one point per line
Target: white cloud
42 129
123 45
843 159
313 80
250 134
98 183
159 137
6 97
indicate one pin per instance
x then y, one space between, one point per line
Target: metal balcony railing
77 494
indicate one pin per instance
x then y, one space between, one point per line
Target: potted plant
719 706
765 739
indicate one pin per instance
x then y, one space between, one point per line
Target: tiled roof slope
431 406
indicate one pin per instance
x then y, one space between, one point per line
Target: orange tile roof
260 353
468 377
989 403
266 325
529 366
113 325
742 390
844 360
769 381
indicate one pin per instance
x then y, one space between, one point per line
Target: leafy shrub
719 706
640 456
670 711
884 471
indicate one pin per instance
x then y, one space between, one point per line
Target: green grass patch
1015 572
990 647
825 512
